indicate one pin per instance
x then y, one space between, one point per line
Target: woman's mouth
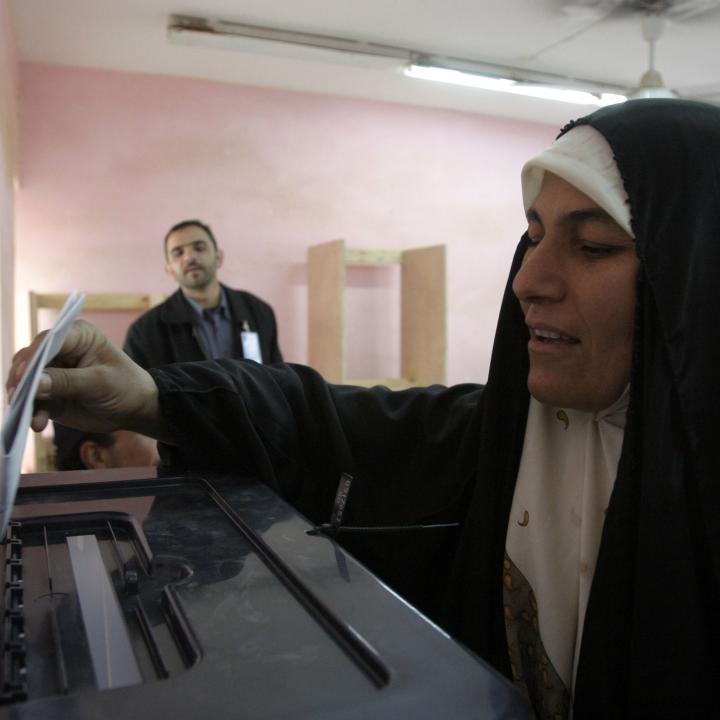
550 336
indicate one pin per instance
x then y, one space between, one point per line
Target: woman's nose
541 277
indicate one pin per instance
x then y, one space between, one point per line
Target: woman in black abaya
588 557
650 632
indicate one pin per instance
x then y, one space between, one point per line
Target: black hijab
651 640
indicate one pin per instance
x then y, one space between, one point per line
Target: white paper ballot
17 422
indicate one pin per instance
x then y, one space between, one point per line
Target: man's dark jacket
167 333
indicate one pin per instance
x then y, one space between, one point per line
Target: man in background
204 319
80 450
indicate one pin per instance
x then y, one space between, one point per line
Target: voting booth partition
423 312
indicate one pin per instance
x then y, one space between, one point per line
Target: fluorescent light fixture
508 85
230 35
457 77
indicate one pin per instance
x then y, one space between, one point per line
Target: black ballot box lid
132 596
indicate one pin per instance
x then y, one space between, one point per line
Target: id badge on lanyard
250 343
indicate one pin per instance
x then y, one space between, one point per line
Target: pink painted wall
110 160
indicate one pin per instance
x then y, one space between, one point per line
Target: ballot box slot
178 626
353 645
113 660
86 607
151 640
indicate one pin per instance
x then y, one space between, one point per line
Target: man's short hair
189 223
68 441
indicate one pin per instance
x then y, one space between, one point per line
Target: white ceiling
532 34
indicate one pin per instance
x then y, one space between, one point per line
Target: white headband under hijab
583 158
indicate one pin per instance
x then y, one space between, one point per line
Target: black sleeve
410 452
275 354
267 327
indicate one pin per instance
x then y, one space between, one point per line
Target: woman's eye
598 251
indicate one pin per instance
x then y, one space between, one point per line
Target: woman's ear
92 455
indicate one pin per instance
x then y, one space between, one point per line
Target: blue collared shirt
216 328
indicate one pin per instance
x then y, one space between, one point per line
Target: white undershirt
567 471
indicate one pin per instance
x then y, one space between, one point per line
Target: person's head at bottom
81 450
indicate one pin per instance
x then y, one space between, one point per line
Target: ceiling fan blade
687 9
598 6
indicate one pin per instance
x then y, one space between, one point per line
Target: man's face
192 258
576 287
131 450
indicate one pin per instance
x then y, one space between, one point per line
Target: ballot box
188 597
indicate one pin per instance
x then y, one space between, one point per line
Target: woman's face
576 287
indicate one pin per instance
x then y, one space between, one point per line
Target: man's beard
199 281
